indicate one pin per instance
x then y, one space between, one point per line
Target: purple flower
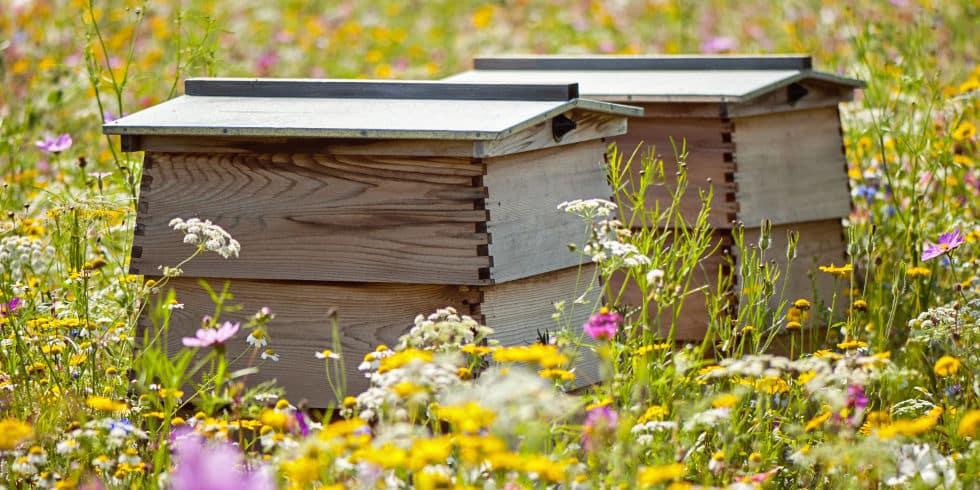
856 397
599 421
214 466
603 325
947 242
10 306
302 423
54 144
718 44
207 337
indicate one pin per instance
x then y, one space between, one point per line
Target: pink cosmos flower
947 242
207 337
54 144
603 325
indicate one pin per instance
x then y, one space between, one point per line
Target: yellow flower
792 326
301 471
755 457
918 271
464 373
727 400
406 389
772 385
801 304
653 475
946 366
557 374
806 377
965 131
274 418
466 418
103 404
852 344
860 305
655 412
963 160
817 421
969 424
349 402
842 271
14 432
403 358
913 427
482 17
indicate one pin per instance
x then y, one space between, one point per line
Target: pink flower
603 325
54 144
599 422
947 242
217 465
207 337
718 44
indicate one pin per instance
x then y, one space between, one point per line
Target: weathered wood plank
791 167
528 234
692 325
821 243
588 126
519 310
800 96
318 217
705 169
367 315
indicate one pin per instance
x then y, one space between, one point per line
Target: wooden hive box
381 200
763 130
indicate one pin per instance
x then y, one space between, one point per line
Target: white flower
257 338
327 354
207 235
588 208
270 355
928 464
709 418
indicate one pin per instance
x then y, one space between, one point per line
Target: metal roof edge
644 62
378 89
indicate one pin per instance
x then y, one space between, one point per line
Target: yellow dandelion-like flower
852 344
104 404
965 131
727 400
13 432
842 271
969 424
918 271
655 412
946 366
816 422
654 475
801 304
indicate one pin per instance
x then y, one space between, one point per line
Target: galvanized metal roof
656 78
358 109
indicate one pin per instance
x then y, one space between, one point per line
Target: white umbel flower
207 235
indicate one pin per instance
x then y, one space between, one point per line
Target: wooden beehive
379 200
764 131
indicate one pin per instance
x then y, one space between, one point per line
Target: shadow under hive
763 130
379 200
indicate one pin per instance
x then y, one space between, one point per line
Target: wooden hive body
375 217
763 131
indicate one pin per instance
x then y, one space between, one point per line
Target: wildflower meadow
875 386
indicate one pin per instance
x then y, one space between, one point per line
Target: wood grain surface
318 217
791 167
522 309
528 234
368 315
706 159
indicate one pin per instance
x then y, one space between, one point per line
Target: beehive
764 131
380 200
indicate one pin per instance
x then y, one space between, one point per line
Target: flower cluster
207 235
